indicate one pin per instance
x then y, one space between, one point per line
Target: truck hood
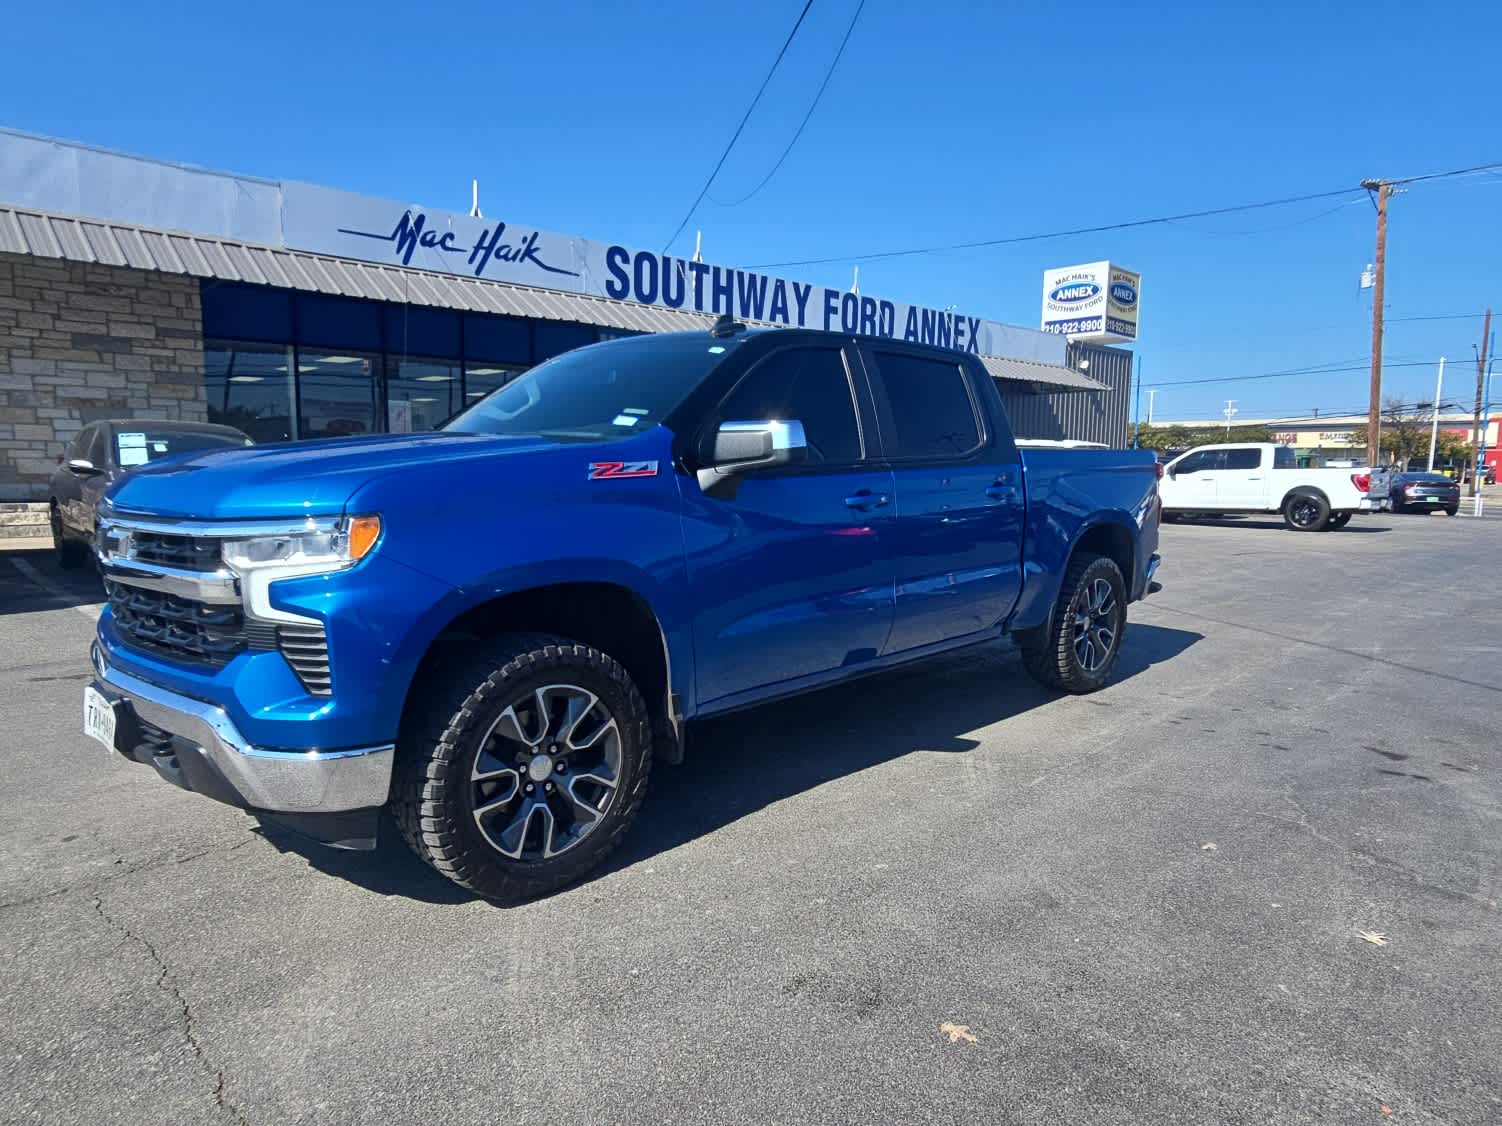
295 478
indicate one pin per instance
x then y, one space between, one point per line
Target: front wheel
1079 650
522 765
1338 520
69 554
1306 512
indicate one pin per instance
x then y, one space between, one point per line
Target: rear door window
1284 458
1244 457
932 410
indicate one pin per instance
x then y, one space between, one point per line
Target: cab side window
1199 462
1247 457
810 385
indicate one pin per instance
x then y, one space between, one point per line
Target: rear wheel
1306 512
1396 503
1079 650
522 765
1452 510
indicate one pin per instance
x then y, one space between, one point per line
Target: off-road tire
1049 655
452 708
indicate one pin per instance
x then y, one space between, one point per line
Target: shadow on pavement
1273 524
31 582
741 763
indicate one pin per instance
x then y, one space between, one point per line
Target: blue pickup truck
493 629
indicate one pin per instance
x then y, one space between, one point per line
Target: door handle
1002 492
866 499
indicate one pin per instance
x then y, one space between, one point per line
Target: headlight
328 546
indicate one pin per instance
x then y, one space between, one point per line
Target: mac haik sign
324 221
1094 302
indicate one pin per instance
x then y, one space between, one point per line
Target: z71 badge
611 470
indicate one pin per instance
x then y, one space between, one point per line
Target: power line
1286 374
828 74
1062 234
1155 221
698 199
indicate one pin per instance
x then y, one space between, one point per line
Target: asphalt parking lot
936 896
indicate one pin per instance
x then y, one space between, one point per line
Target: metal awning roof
1031 371
75 238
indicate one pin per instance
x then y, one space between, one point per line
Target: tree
1183 437
1405 430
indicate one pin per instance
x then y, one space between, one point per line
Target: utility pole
1486 332
1151 391
1228 412
1374 411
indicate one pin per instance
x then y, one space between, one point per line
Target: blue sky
944 122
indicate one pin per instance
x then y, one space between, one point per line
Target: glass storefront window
480 379
249 387
338 393
420 394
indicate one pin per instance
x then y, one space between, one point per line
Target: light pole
1151 391
1229 412
1439 386
1486 422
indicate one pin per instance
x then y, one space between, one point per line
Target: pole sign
326 221
1096 302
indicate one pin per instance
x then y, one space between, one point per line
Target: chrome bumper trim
217 587
280 781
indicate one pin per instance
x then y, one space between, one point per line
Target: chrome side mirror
740 447
83 467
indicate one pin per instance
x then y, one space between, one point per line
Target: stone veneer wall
81 342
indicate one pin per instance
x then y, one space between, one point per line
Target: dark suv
100 454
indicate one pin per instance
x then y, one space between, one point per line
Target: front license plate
98 717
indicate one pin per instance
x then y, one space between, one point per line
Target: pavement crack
167 982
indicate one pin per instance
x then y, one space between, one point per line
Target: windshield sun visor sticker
612 470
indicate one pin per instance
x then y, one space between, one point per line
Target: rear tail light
1362 481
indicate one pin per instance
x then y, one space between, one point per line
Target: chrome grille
181 628
306 649
188 553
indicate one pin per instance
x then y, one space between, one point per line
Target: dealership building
138 288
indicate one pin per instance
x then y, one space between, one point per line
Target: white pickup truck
1262 477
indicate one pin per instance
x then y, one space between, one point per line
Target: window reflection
338 393
420 393
249 387
480 379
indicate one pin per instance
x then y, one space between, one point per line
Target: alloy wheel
546 772
1095 626
1303 512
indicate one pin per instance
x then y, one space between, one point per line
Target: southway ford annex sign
325 221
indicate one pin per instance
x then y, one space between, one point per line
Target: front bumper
195 745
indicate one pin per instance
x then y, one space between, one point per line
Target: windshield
137 447
605 390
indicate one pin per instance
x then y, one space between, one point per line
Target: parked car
1262 477
1423 492
494 628
98 456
